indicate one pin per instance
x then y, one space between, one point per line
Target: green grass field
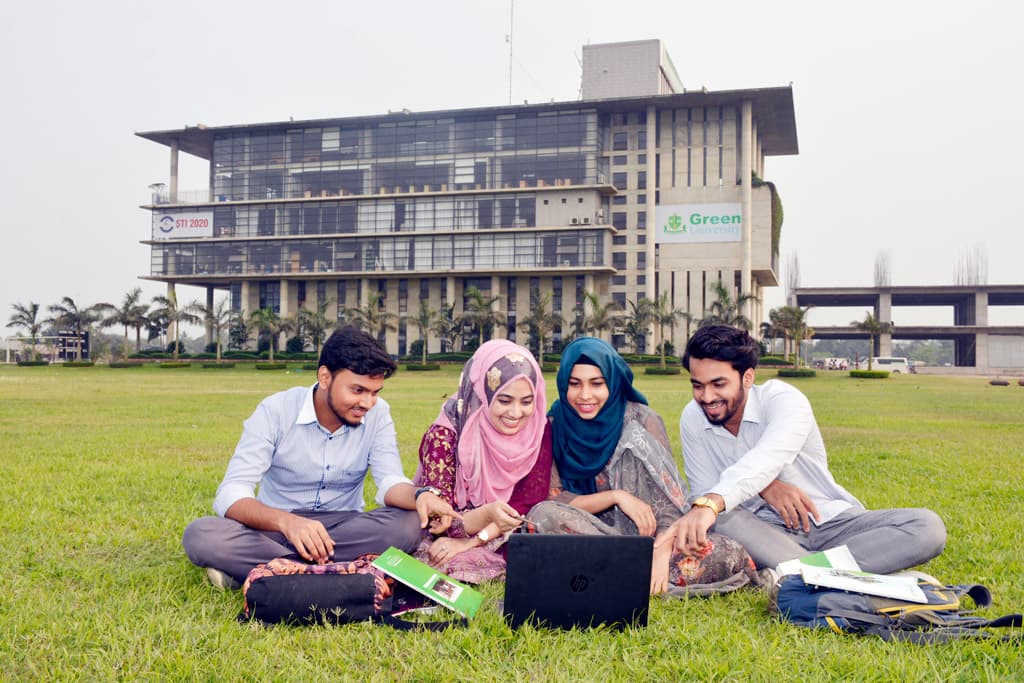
103 468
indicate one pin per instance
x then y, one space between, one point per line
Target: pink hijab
490 463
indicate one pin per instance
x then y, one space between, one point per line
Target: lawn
103 468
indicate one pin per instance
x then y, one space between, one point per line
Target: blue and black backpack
940 620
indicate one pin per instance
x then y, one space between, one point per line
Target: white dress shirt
778 439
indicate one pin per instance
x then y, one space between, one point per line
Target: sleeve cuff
228 496
386 484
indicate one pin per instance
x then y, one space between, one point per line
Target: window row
433 175
415 138
482 212
450 252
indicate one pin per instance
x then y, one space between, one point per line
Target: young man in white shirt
755 458
308 450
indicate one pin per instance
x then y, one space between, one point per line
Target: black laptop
566 581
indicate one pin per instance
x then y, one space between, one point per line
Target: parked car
894 364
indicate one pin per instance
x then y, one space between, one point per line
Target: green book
425 579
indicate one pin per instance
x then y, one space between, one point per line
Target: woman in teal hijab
614 472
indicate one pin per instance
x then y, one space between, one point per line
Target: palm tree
638 318
446 327
267 321
372 317
663 314
480 314
68 316
27 318
874 328
171 314
602 317
217 318
424 320
793 322
771 330
315 323
541 322
724 311
130 313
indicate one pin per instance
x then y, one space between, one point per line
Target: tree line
463 331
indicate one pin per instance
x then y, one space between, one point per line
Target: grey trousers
882 541
235 549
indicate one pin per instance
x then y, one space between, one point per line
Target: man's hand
689 533
791 503
638 511
435 511
309 537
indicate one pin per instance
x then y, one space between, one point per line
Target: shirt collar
307 414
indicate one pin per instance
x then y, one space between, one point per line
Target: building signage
192 224
688 223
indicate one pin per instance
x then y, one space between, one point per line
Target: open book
883 585
425 579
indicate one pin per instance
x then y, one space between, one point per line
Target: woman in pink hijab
488 454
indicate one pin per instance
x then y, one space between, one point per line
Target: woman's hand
504 515
638 511
444 549
659 568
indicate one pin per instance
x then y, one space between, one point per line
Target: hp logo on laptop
579 583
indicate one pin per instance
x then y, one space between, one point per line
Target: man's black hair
726 343
351 349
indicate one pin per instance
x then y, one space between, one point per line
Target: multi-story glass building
637 189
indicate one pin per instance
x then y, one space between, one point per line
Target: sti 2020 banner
169 226
688 223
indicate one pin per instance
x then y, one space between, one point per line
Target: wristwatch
705 502
427 489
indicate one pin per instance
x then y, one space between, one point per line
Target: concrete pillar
981 359
652 189
746 193
981 309
209 323
883 314
173 190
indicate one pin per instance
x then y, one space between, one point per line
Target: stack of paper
836 568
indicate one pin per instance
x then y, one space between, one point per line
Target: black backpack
940 620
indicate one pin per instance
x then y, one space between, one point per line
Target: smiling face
587 391
512 407
720 391
344 397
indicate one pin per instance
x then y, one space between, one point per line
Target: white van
894 364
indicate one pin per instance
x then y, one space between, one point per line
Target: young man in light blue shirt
307 451
755 457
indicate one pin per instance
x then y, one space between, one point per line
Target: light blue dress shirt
778 438
297 464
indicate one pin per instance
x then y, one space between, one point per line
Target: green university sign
699 223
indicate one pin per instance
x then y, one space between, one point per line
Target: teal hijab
581 448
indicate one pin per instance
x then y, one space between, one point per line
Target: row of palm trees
790 323
476 322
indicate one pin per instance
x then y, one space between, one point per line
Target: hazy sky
908 113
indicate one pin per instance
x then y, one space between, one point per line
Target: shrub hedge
422 367
668 370
793 372
869 374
